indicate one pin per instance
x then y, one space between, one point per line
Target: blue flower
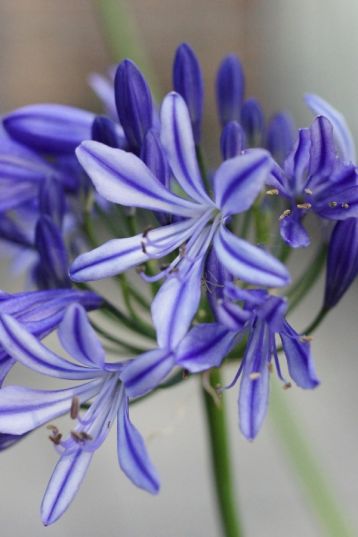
24 409
122 178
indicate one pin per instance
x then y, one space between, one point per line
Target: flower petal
297 163
177 138
293 232
342 133
323 150
239 180
123 178
298 356
230 89
132 454
248 262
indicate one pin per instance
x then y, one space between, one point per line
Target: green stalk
314 482
221 461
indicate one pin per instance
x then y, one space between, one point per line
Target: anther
287 386
270 367
308 191
345 205
185 374
272 192
304 205
56 438
285 213
75 408
182 250
146 231
142 244
306 339
333 204
81 436
255 375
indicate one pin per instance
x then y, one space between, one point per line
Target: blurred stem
221 460
299 453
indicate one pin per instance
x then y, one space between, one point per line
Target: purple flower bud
52 270
51 128
52 201
253 121
154 157
342 261
104 130
280 136
134 103
232 140
230 89
188 82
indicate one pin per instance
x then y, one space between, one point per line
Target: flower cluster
88 197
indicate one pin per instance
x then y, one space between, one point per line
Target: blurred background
288 47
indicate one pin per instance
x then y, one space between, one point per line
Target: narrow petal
24 409
248 262
107 132
26 349
205 346
342 133
53 265
64 484
132 454
154 157
52 128
254 387
79 339
232 140
299 360
239 180
293 232
253 122
146 372
280 136
297 163
323 150
230 89
121 177
118 255
177 138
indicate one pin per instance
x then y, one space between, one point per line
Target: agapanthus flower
23 409
123 178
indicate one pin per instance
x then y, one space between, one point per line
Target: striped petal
79 339
118 255
177 138
146 372
24 409
132 454
297 163
121 177
342 133
323 151
27 350
239 180
248 262
299 360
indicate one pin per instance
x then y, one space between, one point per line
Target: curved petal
177 138
64 484
299 360
297 163
248 262
132 454
239 180
146 372
79 339
123 178
323 150
293 232
24 409
118 255
205 346
342 133
27 350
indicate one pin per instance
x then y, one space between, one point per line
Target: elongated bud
154 157
280 136
188 82
51 128
134 103
342 261
253 122
230 89
107 132
52 200
232 141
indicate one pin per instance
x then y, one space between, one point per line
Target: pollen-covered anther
304 205
142 244
80 437
270 367
75 408
345 205
272 192
146 231
55 436
255 375
285 213
308 191
332 204
306 339
287 386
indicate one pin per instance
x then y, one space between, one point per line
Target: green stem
221 461
319 491
113 339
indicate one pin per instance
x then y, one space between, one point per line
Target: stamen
185 374
146 231
306 339
214 393
287 386
144 250
285 213
308 191
254 375
75 408
182 250
332 204
345 205
270 367
272 192
81 436
56 439
304 205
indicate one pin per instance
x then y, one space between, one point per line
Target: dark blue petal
342 261
188 82
298 356
107 132
280 136
230 89
253 122
133 102
52 201
293 232
154 157
232 141
51 128
297 163
323 150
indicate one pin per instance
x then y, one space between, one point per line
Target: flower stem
221 461
293 438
